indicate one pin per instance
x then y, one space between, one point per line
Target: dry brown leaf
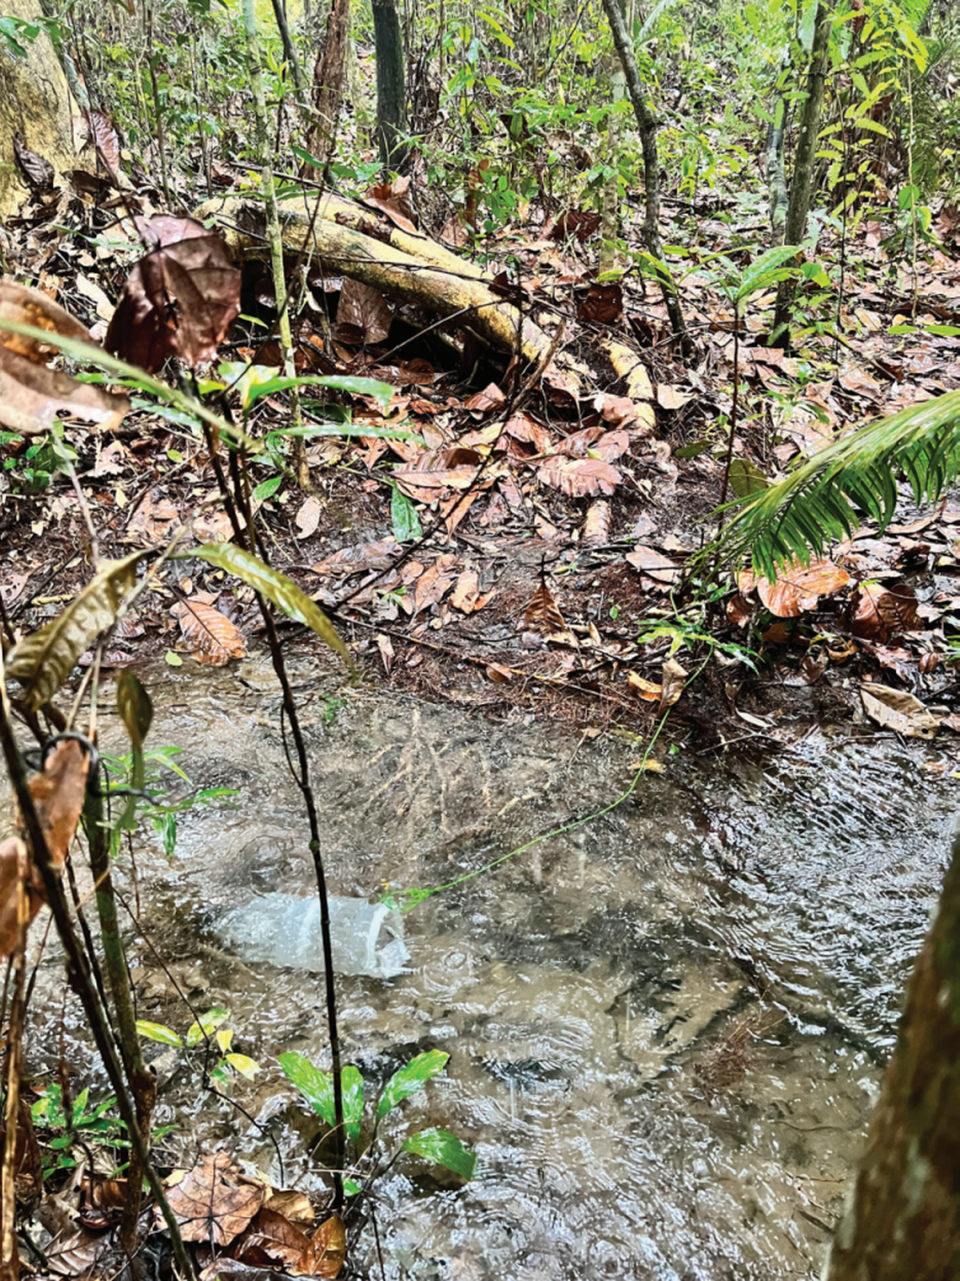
647 690
895 709
466 595
798 587
596 526
292 1204
271 1239
213 1202
326 1252
355 560
669 397
498 673
879 612
490 398
579 477
433 584
365 308
543 613
524 428
211 637
308 517
738 610
673 677
654 565
385 646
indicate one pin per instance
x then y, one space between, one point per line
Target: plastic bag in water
284 930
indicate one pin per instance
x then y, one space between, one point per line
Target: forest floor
529 552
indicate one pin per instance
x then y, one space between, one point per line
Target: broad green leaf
158 1032
277 588
352 1085
407 1080
764 271
44 660
267 488
351 1188
206 1025
245 1066
443 1148
403 515
315 1086
746 478
381 392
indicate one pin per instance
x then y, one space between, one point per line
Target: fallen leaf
542 613
664 571
466 595
798 587
213 1202
326 1251
673 678
308 517
211 637
895 709
669 397
434 582
879 612
579 477
596 526
354 560
647 690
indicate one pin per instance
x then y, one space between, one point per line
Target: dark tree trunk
651 161
801 187
328 77
904 1221
391 106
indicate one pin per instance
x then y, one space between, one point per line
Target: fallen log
350 239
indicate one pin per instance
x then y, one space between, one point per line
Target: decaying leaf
180 298
274 586
308 517
579 477
365 309
356 560
879 612
433 583
210 635
654 565
596 527
899 711
326 1252
31 394
466 594
213 1202
673 678
543 613
44 660
650 691
271 1240
798 587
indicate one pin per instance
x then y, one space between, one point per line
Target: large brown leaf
798 587
210 635
326 1253
579 477
31 394
213 1202
180 299
44 660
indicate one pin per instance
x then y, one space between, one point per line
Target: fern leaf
822 499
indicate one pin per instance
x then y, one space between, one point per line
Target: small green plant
83 1125
439 1146
32 470
684 633
154 805
209 1031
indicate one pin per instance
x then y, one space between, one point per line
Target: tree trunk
35 104
904 1221
328 90
651 162
802 186
391 104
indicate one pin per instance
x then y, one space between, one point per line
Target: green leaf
381 392
765 271
745 478
206 1025
172 659
158 1032
267 488
347 429
352 1085
351 1188
407 1080
277 588
443 1148
403 515
245 1066
43 660
822 497
315 1086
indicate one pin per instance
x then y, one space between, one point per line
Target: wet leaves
213 1202
208 635
897 710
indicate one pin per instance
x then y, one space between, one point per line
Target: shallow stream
666 1026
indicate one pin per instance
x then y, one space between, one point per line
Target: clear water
666 1027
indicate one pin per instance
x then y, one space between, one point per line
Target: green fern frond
823 499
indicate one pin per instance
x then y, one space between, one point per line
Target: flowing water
666 1026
